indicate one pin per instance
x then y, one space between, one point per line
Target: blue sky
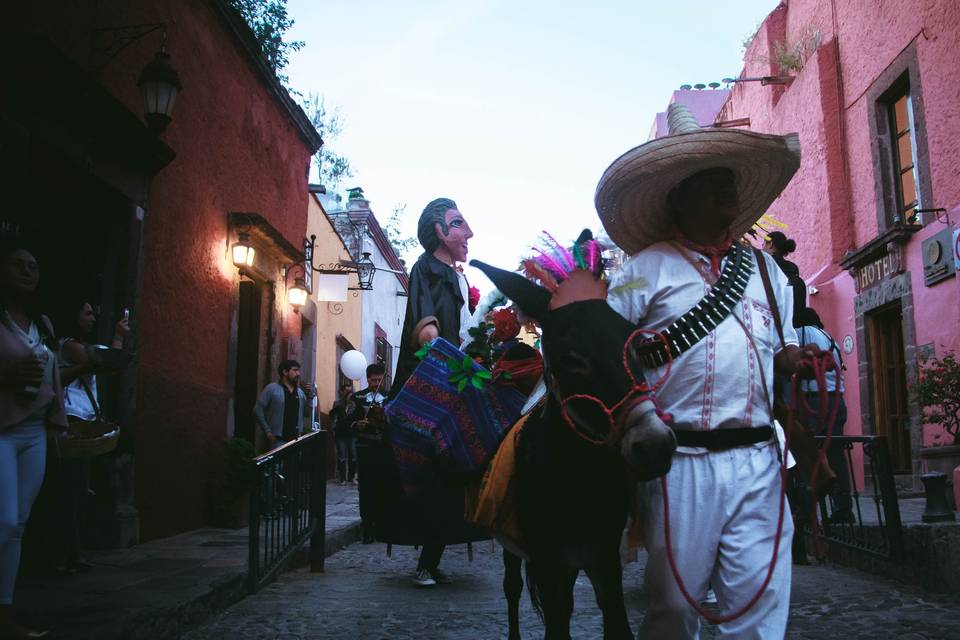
513 109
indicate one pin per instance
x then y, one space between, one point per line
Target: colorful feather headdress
553 263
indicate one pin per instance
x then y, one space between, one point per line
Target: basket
80 447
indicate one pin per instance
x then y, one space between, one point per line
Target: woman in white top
69 478
31 404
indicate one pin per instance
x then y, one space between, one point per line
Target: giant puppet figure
678 206
437 306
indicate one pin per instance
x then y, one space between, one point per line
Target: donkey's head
594 384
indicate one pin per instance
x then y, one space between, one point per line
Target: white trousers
723 518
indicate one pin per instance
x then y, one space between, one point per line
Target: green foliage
332 167
235 477
937 391
793 56
269 22
462 373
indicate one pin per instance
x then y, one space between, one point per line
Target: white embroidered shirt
718 382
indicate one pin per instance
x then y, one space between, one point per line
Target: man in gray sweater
281 406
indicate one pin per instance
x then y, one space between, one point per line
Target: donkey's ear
532 299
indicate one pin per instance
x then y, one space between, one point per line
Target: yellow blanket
494 505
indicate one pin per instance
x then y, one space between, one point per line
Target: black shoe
844 516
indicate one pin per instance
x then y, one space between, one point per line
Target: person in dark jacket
780 246
438 305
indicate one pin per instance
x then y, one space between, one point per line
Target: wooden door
889 383
248 358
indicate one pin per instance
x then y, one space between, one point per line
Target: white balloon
353 364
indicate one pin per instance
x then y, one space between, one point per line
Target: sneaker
422 578
440 577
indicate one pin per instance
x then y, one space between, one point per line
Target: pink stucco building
873 89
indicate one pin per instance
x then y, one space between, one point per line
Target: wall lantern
160 85
159 82
243 251
297 294
365 272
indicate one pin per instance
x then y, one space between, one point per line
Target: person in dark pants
810 331
341 423
437 306
372 452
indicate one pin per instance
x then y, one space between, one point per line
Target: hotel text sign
876 271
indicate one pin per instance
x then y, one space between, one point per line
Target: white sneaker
422 578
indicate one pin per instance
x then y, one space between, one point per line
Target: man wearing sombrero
678 205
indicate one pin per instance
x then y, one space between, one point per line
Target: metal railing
287 507
869 522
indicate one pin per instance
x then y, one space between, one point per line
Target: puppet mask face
457 236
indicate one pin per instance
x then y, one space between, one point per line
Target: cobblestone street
366 595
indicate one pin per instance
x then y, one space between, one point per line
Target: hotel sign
871 274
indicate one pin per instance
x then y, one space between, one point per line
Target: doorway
248 358
888 379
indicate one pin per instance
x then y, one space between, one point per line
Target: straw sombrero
632 193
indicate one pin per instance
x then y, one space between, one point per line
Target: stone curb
171 622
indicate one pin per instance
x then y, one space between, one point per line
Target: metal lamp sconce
159 81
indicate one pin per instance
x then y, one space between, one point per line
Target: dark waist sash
723 439
698 322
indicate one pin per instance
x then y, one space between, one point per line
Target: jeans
346 457
23 458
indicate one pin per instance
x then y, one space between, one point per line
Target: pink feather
567 256
549 263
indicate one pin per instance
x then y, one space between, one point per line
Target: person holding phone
68 479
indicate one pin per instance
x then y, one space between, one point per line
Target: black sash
705 316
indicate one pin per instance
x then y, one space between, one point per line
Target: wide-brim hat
631 196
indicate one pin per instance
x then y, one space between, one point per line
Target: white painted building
384 306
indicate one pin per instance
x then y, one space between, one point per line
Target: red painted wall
830 206
236 150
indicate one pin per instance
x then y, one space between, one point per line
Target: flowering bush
938 392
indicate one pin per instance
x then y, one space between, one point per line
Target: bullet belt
713 308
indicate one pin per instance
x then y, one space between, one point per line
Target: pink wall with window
855 52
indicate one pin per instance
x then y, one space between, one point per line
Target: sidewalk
160 589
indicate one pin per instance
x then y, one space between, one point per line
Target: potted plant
937 391
230 487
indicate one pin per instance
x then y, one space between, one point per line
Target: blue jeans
346 457
23 459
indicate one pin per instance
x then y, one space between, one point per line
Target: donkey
577 462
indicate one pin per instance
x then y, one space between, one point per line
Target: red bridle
639 391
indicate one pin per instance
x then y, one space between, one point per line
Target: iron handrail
287 507
878 531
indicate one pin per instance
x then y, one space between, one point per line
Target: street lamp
160 85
